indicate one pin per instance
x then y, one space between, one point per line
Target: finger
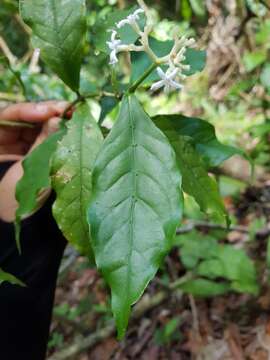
6 158
51 126
9 136
29 135
19 148
34 112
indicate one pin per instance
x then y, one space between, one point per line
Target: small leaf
203 137
4 276
204 288
36 178
71 172
59 28
136 206
234 265
141 62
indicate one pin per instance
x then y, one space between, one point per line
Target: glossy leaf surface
72 177
36 178
59 28
203 137
196 181
136 206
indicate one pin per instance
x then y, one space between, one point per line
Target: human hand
16 142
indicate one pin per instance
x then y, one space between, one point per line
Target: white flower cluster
173 62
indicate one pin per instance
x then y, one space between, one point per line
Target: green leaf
196 181
36 178
198 6
194 247
59 28
72 166
204 288
101 30
186 10
141 62
234 265
4 276
265 76
136 206
254 59
203 137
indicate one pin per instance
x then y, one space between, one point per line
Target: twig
196 325
138 82
7 52
20 124
78 100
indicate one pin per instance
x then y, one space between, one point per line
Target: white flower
167 80
131 19
115 46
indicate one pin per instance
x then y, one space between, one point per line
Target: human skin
17 142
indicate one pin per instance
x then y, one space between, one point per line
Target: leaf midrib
133 196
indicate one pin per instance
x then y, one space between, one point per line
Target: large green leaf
203 136
72 177
141 62
59 28
4 276
36 177
196 181
136 206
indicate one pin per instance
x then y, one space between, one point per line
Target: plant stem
138 82
78 100
12 123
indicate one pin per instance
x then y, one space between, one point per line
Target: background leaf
133 213
204 288
36 177
72 177
203 137
4 276
196 181
59 28
205 257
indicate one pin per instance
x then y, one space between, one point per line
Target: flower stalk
174 61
